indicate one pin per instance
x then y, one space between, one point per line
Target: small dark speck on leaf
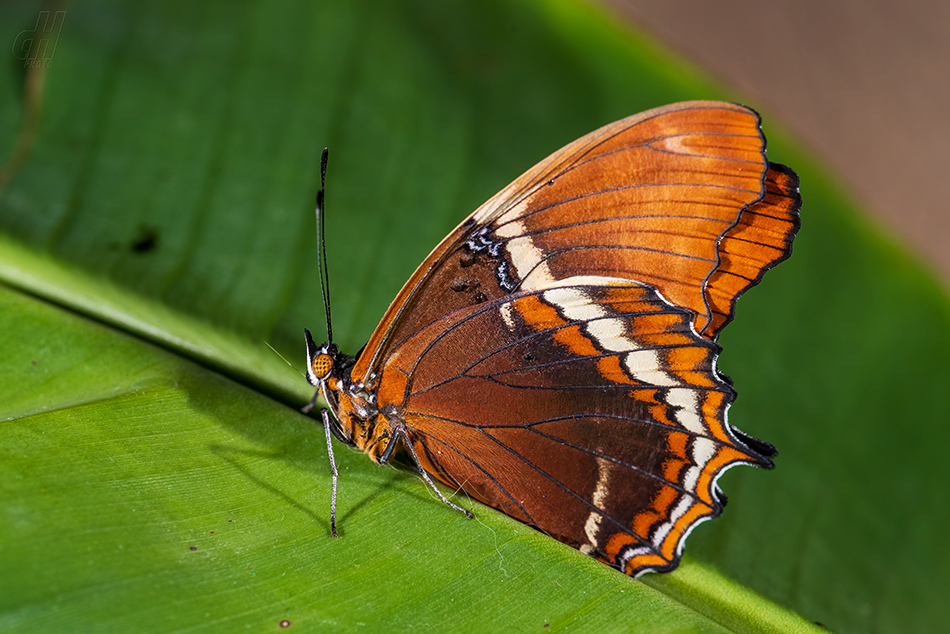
193 548
285 623
145 241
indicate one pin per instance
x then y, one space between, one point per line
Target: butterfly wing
761 239
555 356
591 410
648 198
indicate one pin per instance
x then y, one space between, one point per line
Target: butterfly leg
309 406
333 471
400 434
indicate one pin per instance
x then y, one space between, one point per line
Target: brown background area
865 84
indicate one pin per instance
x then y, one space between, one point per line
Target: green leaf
154 210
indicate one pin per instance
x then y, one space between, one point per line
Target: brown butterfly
555 355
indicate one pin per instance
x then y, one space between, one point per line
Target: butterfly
555 355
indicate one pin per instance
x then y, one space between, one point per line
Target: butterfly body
555 355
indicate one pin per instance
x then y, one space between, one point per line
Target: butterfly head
350 404
321 361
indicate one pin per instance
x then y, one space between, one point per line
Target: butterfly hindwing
605 425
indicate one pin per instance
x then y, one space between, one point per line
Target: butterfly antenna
284 359
322 245
325 291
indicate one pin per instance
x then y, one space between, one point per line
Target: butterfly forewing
554 356
646 198
761 239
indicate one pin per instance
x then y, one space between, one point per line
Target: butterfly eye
322 365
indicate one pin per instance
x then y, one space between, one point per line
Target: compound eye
321 366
